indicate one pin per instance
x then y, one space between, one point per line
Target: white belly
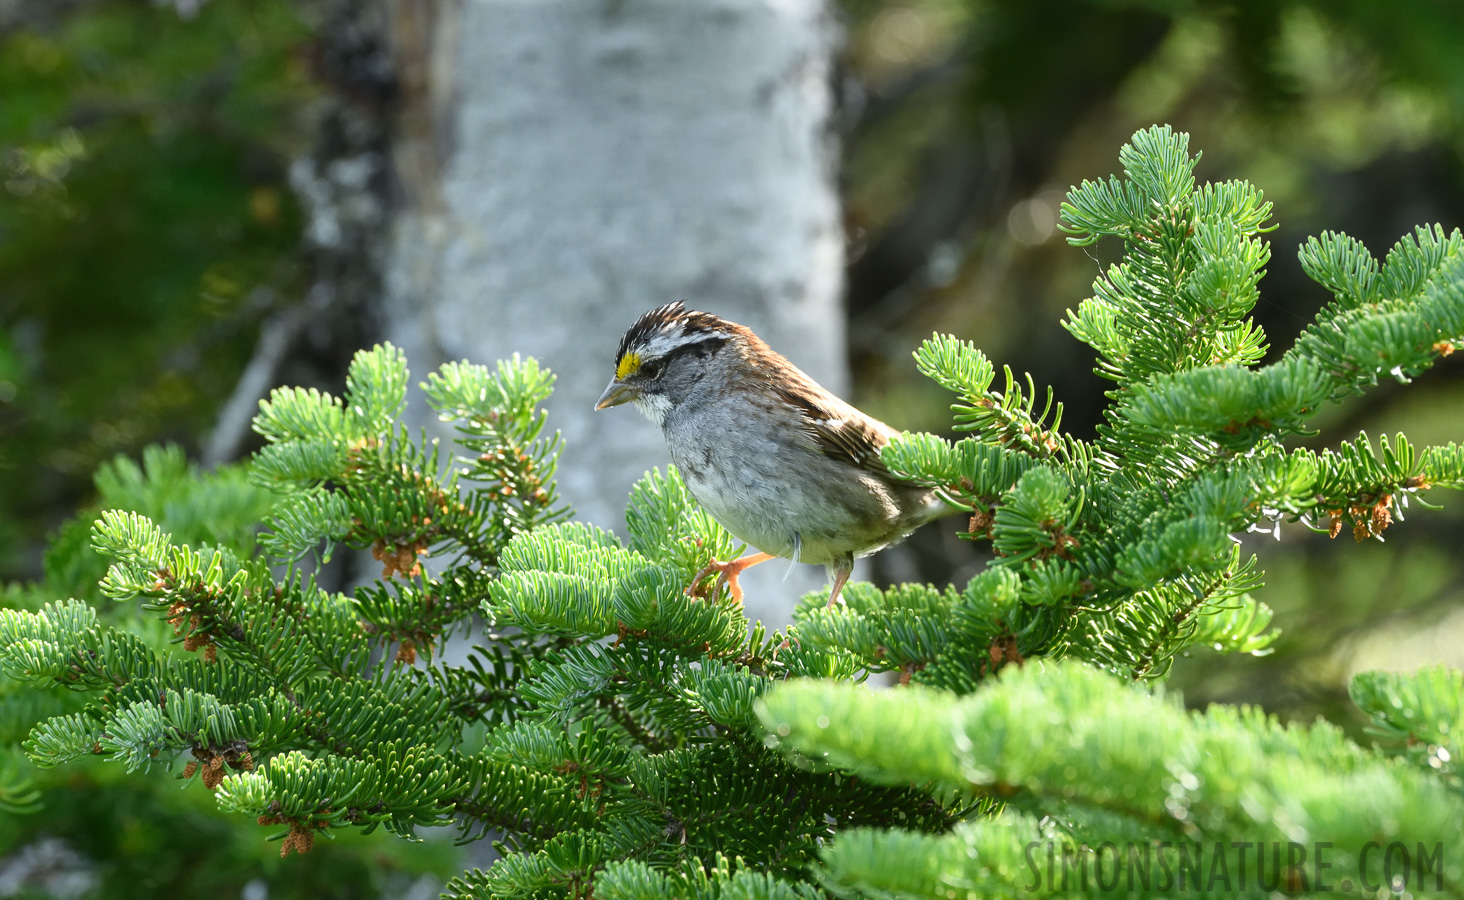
793 515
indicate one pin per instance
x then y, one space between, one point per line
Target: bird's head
664 355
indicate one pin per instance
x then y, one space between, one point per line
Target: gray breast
776 495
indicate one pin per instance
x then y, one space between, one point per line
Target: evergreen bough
623 740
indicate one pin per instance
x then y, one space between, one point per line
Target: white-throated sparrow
781 463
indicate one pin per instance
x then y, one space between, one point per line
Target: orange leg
842 568
729 571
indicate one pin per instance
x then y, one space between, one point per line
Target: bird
788 468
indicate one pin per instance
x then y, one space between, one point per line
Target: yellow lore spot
630 363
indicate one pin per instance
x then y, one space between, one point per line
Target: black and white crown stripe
669 328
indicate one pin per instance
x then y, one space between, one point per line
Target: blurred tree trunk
566 165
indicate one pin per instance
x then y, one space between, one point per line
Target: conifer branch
638 743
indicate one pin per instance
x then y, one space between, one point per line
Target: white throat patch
655 406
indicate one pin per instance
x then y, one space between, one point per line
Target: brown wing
841 431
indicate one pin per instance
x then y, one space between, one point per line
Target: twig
276 336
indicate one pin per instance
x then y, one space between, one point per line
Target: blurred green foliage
145 838
145 226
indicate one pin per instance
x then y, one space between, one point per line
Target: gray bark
346 184
590 159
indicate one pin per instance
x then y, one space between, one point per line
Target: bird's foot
841 576
727 574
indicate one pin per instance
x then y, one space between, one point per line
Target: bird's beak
616 393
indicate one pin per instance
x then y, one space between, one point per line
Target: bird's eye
651 368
